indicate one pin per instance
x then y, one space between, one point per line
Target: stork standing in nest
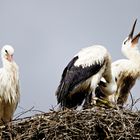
81 76
9 85
126 71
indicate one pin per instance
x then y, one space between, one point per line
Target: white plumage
126 71
82 74
90 55
9 85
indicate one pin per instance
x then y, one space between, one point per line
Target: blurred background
46 34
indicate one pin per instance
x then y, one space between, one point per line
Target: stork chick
81 76
9 85
125 71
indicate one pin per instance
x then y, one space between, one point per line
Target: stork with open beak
126 71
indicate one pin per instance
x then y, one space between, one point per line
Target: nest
96 123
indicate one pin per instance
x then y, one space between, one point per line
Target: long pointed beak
130 36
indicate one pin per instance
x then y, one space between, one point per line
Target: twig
22 113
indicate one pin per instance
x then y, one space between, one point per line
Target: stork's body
126 71
9 85
82 74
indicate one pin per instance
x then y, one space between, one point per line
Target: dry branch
96 123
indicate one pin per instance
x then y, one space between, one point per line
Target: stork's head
130 44
7 53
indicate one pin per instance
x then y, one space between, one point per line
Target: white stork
82 74
126 71
9 85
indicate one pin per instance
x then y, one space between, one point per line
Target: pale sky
46 34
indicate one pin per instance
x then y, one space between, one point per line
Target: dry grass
96 123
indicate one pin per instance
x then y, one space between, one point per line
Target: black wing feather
71 77
64 83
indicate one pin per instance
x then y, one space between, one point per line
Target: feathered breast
9 84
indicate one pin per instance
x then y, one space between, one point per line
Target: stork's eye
6 51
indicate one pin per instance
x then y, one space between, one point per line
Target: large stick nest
96 124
